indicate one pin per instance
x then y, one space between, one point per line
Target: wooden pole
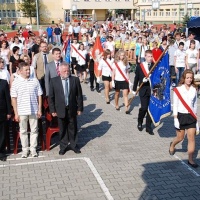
154 66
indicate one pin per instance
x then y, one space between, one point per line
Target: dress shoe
61 152
139 126
76 150
193 165
171 153
117 109
108 102
127 112
98 90
92 89
150 132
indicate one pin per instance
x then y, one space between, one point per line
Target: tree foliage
185 20
28 7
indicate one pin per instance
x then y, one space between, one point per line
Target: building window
127 0
8 1
4 13
196 11
148 13
76 0
108 0
167 12
13 13
18 13
174 12
155 13
98 0
86 0
181 12
117 0
9 13
3 1
161 12
12 1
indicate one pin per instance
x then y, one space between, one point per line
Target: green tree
28 7
185 20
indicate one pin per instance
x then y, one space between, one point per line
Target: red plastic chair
51 129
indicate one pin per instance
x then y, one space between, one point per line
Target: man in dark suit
145 92
52 69
66 102
5 114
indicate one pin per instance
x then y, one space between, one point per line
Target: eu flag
160 104
67 51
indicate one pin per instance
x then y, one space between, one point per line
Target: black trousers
143 111
68 131
2 136
92 79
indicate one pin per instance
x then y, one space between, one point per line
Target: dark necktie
66 92
57 68
45 60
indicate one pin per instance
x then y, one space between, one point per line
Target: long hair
117 57
105 53
183 76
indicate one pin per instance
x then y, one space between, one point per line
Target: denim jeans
179 73
50 38
57 37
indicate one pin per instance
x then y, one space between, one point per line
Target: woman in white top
110 44
5 54
183 120
143 48
4 73
81 63
105 66
74 48
118 80
192 56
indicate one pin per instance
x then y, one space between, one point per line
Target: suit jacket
5 100
39 64
49 73
139 75
57 97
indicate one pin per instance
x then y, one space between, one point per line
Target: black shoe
92 89
150 132
108 102
127 112
193 165
171 153
98 90
139 126
61 152
76 150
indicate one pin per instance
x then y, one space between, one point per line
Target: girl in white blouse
118 80
105 67
183 120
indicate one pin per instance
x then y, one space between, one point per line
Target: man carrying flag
141 76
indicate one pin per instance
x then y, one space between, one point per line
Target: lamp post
37 13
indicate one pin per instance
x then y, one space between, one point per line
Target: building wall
169 10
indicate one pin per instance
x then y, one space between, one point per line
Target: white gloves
87 70
98 79
113 84
197 128
145 79
176 123
134 93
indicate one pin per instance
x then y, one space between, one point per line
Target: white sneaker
24 155
34 153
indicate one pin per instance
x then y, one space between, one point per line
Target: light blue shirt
64 85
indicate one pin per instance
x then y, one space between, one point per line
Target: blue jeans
179 73
50 37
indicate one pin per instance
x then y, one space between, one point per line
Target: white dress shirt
5 75
118 76
189 96
106 71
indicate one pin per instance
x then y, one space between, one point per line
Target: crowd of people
35 70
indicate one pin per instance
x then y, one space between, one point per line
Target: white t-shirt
180 58
118 76
20 45
73 52
106 71
110 45
192 56
79 58
187 45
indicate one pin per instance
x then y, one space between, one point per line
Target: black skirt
121 85
81 68
105 78
186 121
74 62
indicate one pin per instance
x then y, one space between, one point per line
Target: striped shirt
26 91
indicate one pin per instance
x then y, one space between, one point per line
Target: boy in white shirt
179 61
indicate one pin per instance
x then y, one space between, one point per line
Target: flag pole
151 70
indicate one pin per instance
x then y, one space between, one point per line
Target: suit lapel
71 84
